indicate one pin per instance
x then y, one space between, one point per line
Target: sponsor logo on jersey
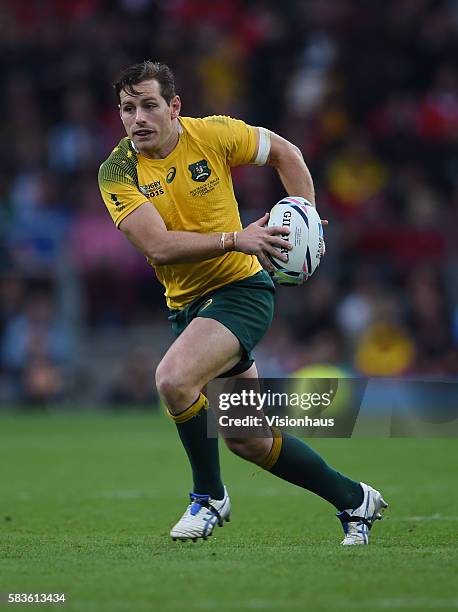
200 171
170 174
152 190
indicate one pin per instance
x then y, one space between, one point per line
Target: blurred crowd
368 91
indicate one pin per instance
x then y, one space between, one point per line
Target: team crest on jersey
200 171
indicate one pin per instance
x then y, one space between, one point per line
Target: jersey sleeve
119 191
234 138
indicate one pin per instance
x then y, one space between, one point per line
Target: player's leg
293 460
216 334
204 350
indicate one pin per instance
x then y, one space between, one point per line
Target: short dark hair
137 73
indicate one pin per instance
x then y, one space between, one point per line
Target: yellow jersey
192 191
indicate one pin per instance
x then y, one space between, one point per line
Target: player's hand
259 240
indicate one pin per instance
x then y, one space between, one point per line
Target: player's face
148 120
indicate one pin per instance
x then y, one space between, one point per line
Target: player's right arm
146 230
139 220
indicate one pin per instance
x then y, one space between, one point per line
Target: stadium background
368 91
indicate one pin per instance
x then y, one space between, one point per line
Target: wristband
231 239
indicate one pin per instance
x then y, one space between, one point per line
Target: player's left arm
287 159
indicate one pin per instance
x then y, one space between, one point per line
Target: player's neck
167 147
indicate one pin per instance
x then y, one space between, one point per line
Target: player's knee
174 390
251 449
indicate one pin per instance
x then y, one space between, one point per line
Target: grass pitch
86 504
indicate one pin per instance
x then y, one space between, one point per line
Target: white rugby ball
306 236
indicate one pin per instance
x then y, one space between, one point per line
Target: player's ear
175 107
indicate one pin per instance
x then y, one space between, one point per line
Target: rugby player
168 188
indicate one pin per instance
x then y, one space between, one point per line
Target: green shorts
245 307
